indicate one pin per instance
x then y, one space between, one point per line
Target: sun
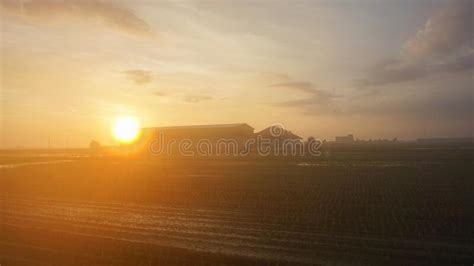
126 129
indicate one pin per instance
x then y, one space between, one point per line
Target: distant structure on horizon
215 134
345 139
274 132
446 140
220 131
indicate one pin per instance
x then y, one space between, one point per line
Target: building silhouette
219 139
345 139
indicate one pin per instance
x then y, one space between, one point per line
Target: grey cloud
396 71
139 76
294 103
312 106
463 63
392 71
319 97
296 85
439 104
110 14
320 102
446 31
444 45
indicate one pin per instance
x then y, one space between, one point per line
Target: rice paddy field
352 206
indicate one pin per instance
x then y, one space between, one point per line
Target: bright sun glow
126 129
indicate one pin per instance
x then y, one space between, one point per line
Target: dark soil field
356 206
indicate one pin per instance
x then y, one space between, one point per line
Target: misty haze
206 132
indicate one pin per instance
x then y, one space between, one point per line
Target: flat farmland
405 207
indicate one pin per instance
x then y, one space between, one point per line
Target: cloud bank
296 85
448 30
317 102
109 14
444 45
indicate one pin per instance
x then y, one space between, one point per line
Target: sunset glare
236 132
126 129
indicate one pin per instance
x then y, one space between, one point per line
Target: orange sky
375 69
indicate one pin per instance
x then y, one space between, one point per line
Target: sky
375 69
